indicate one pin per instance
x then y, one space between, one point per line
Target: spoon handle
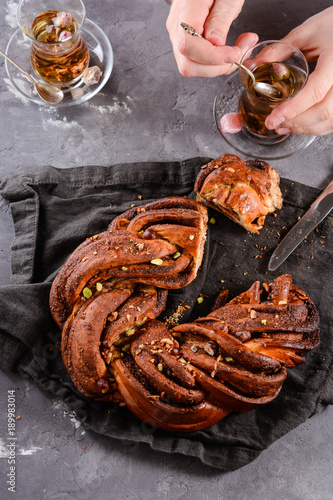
247 71
17 66
189 29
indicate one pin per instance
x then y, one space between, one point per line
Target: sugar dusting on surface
30 451
16 92
50 118
73 419
59 123
4 450
117 107
70 414
10 17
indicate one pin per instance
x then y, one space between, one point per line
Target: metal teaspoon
46 91
262 88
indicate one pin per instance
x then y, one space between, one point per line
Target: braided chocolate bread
106 299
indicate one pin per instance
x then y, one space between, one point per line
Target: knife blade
319 209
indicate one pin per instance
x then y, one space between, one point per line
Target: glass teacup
279 64
58 54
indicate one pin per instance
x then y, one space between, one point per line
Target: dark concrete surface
146 111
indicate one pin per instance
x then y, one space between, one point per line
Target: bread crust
244 191
108 295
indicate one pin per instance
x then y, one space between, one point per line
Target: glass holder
101 55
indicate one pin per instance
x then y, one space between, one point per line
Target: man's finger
190 68
220 18
316 120
318 85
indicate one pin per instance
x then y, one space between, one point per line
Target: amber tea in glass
59 54
277 64
65 63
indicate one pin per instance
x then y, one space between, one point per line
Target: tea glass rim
267 42
49 44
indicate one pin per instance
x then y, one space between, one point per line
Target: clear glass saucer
101 54
227 102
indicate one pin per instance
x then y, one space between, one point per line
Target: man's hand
208 57
311 111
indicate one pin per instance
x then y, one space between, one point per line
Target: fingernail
283 131
276 123
216 38
217 33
